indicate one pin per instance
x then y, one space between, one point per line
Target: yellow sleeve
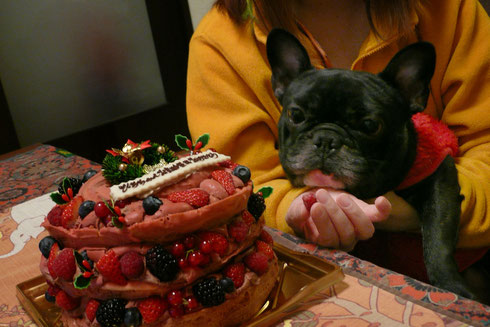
461 89
229 96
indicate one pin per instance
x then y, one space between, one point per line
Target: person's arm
461 88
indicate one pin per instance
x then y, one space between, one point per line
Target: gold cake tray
301 276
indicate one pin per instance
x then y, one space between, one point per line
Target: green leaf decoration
204 139
116 222
181 141
266 191
81 282
56 197
79 259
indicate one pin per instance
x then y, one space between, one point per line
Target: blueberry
85 208
88 175
49 297
132 317
227 284
151 205
242 172
45 245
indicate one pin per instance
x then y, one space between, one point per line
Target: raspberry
256 205
266 237
195 197
52 256
238 230
264 248
54 216
132 264
257 262
91 309
111 312
110 267
209 292
236 271
64 301
225 179
308 200
152 308
161 263
248 218
70 212
64 265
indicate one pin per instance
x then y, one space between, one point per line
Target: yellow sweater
229 96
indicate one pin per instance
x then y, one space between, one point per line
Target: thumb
380 210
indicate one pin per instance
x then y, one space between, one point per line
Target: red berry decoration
266 237
178 249
195 258
174 298
70 212
189 242
110 267
176 312
64 265
183 263
236 272
224 178
264 248
53 253
91 309
191 303
65 301
54 216
309 199
152 308
195 197
101 210
257 262
238 230
132 264
248 218
205 247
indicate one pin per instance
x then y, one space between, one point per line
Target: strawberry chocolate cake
159 239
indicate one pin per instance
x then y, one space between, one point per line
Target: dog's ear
411 70
287 58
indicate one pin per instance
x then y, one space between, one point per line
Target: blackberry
242 172
151 204
133 317
162 263
85 208
256 205
209 292
111 312
66 183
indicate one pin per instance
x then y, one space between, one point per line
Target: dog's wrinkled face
344 129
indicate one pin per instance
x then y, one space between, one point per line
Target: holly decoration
266 191
185 143
135 156
82 281
67 190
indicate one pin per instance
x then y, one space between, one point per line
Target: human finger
327 234
364 228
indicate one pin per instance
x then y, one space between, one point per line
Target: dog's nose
328 142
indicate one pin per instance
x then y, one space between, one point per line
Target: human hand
337 219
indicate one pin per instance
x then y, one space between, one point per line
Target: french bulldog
354 130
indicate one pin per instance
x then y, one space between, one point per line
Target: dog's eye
371 126
296 115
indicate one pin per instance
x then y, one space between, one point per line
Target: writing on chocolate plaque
168 174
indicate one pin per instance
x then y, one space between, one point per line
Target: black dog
356 128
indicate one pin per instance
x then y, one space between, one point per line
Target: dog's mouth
318 178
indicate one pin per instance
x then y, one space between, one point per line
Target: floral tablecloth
368 295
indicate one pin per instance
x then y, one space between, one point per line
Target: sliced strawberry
152 308
64 265
195 197
91 309
225 179
109 267
53 253
228 164
70 212
236 271
264 248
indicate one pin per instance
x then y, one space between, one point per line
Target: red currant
191 302
120 203
176 311
195 258
174 298
178 250
189 242
101 210
205 258
205 247
183 263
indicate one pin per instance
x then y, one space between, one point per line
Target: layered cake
159 239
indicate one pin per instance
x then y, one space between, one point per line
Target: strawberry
264 248
248 218
54 216
109 267
70 212
91 309
228 164
308 200
195 197
266 237
132 265
236 271
152 308
238 230
64 265
225 179
52 256
65 301
257 262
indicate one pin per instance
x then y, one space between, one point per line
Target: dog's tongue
317 178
